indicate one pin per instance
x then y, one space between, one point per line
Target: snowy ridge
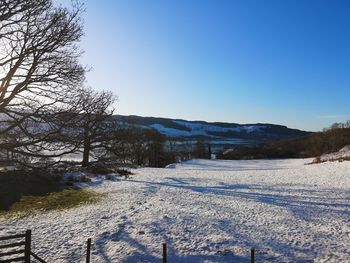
214 130
171 132
202 129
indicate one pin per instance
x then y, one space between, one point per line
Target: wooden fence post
88 250
27 248
164 253
252 255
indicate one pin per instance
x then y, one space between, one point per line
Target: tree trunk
86 153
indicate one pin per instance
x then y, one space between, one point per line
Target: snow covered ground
206 211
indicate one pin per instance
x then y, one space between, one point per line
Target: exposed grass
16 184
53 201
24 192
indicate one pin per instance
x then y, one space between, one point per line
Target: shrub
100 169
317 160
124 172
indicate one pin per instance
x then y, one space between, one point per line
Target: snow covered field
206 211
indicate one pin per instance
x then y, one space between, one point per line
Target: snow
341 154
206 211
253 128
200 129
177 133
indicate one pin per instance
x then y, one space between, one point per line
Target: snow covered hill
212 131
343 153
206 211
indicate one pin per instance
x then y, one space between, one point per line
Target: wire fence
15 248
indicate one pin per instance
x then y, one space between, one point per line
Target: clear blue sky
284 62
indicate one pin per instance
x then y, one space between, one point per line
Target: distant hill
325 144
214 132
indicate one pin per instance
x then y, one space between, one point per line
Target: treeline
134 146
329 140
147 147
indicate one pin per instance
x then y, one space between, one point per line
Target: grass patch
53 201
16 184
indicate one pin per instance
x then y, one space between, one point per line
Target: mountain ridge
180 128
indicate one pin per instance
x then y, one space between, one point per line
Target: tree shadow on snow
266 252
144 253
304 203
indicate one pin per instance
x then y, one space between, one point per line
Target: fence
23 251
164 254
17 250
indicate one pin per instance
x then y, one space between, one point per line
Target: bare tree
96 123
39 56
201 150
129 145
39 72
